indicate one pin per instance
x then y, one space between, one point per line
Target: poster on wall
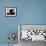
33 32
10 11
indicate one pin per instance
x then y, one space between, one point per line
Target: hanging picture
10 11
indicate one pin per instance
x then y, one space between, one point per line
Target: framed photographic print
10 11
33 32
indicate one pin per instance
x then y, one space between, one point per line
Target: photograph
10 11
30 33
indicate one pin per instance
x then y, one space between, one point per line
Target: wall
28 12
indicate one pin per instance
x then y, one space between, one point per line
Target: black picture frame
10 11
